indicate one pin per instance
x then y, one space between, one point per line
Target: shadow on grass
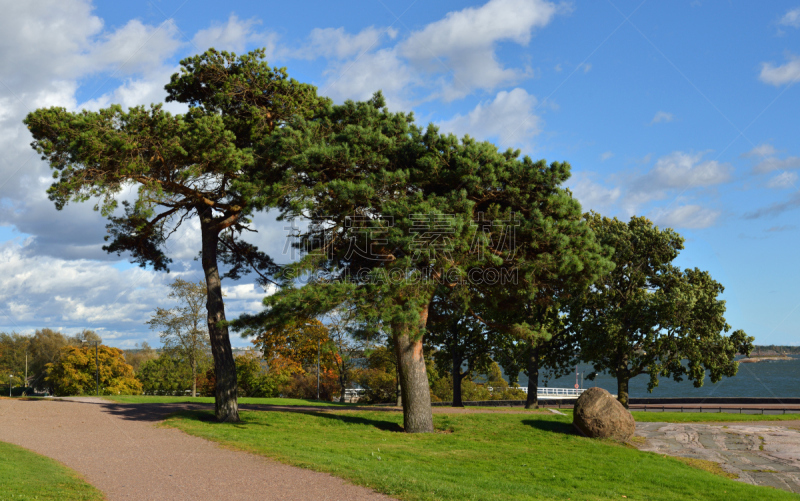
209 417
345 418
552 426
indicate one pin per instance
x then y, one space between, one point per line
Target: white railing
553 392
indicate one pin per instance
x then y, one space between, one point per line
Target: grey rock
598 414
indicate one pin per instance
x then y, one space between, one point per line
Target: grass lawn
27 475
151 399
703 417
473 456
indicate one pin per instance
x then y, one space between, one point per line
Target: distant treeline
769 348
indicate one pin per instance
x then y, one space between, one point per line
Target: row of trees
25 359
412 233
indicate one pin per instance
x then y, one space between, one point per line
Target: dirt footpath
119 450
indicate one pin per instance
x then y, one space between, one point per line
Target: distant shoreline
762 359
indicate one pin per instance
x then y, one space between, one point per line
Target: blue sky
684 112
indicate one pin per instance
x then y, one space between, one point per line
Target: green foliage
648 316
378 377
25 475
165 375
253 380
12 357
183 328
74 372
140 354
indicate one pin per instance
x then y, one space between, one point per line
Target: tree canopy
648 316
183 328
74 372
210 163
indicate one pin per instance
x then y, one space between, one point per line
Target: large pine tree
209 164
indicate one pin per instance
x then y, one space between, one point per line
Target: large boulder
598 414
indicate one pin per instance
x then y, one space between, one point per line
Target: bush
380 386
304 385
253 380
165 376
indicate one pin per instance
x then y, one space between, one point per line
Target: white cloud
772 164
594 196
762 150
359 79
586 67
135 47
684 170
783 180
508 117
464 43
780 75
661 116
234 36
605 156
336 43
686 216
791 18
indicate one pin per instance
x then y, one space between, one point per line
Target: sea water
776 379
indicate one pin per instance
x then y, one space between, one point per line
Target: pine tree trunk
532 401
622 389
415 391
457 377
225 401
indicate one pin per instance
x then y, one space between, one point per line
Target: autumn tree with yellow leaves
74 372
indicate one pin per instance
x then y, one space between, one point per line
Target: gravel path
759 453
119 450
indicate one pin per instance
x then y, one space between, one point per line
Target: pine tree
209 163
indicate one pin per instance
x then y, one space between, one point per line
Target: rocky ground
758 453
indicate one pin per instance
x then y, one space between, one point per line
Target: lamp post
318 346
9 384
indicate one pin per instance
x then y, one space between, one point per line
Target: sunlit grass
27 475
472 456
150 399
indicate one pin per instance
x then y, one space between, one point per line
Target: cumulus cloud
680 170
791 18
593 195
359 79
671 177
783 180
234 35
762 150
661 116
773 164
783 74
509 117
337 43
686 216
464 43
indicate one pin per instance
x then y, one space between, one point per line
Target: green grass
27 475
150 399
708 417
472 456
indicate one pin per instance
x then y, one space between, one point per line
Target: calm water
760 379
